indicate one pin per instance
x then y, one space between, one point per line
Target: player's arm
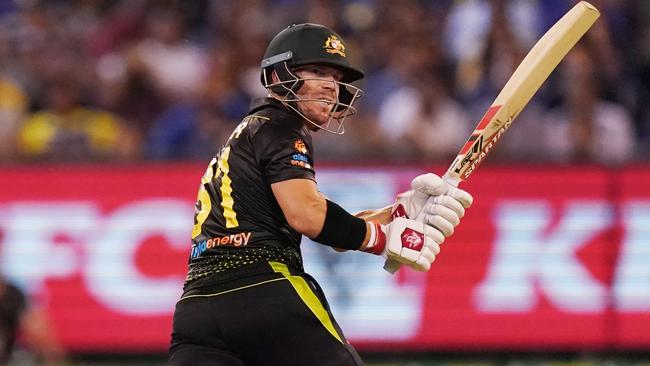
303 205
309 213
379 216
306 206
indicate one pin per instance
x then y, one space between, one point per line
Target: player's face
319 92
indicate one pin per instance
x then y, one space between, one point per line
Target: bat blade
529 76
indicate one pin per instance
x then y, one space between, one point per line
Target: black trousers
265 314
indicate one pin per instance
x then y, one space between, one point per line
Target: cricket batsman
247 299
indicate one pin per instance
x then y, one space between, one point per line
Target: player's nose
329 84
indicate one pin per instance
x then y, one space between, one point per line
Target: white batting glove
433 202
406 241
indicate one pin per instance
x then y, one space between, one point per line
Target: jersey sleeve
284 151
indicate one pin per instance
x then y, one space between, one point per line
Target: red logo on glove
399 212
412 239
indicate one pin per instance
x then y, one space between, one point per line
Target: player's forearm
303 206
379 216
364 244
309 219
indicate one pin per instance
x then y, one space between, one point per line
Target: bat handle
391 266
451 178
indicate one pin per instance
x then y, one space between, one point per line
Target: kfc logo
412 239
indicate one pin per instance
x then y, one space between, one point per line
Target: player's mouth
330 98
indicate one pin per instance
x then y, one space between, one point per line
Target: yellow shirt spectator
80 134
13 104
11 97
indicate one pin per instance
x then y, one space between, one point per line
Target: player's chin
320 120
324 117
320 116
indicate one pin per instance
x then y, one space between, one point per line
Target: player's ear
274 77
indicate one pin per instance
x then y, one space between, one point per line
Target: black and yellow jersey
238 220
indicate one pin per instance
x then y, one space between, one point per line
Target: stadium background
110 110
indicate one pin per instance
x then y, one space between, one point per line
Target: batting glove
406 241
430 201
434 202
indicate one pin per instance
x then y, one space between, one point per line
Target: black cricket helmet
310 44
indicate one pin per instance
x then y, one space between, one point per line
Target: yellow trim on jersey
206 206
209 172
234 289
226 190
204 198
255 116
308 297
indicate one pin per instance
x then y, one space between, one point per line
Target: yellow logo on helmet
334 45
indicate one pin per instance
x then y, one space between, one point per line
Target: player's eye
321 72
311 70
318 72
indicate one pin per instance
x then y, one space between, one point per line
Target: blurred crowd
151 80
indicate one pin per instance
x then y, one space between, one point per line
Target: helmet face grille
286 91
289 81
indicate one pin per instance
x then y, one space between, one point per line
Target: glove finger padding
410 204
440 217
459 195
449 202
444 212
440 223
423 264
429 184
413 243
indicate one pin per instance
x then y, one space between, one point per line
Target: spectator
18 318
187 131
503 50
68 131
474 27
639 71
175 66
587 128
125 91
13 103
147 61
425 119
12 308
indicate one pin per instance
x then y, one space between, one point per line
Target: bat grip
391 266
451 179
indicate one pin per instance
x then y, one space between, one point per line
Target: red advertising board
546 258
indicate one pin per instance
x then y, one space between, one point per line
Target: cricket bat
534 69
